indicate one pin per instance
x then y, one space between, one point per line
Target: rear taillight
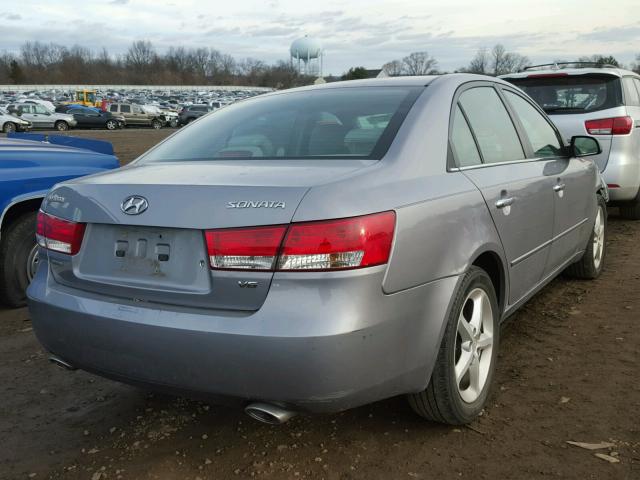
59 235
325 245
609 126
338 244
244 248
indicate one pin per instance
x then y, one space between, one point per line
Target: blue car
30 165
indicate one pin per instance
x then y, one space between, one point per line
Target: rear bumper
622 175
315 345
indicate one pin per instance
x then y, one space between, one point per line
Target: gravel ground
567 372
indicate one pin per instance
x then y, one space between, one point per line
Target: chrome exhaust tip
61 363
270 414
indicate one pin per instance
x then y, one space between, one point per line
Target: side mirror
583 146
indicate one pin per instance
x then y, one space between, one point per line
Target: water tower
309 54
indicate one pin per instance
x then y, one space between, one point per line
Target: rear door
28 113
518 190
573 178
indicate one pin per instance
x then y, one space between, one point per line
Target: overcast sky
353 32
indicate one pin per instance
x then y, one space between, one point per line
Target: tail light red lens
609 126
59 235
338 244
348 243
244 248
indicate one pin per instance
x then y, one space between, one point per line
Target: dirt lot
567 371
127 143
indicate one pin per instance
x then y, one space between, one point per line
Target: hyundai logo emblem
134 205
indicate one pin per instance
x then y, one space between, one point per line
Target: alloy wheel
474 345
32 263
598 239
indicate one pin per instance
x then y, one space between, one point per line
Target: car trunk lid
159 254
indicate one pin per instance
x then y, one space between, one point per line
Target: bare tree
394 68
503 62
480 63
140 56
419 63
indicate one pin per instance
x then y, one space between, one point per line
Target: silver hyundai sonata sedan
321 248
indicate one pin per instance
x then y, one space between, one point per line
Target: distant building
376 73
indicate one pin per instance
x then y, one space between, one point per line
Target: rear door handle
505 202
559 187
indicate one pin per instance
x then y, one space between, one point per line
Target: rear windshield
573 94
350 122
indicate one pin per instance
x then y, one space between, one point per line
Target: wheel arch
492 262
19 207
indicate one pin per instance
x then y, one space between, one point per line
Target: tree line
141 64
495 61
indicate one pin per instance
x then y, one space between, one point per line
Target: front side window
464 147
40 109
542 136
348 122
492 126
113 108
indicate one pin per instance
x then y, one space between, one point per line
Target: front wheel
9 127
111 124
591 264
18 259
61 126
461 377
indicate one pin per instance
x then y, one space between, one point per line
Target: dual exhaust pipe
263 412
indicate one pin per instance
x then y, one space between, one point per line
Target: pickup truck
30 164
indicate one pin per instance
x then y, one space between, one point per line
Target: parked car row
150 108
321 248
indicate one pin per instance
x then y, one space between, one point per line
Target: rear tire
591 264
61 126
16 254
156 124
9 127
631 210
111 124
471 339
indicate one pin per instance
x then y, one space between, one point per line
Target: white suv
602 101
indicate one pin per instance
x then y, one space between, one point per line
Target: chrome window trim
511 162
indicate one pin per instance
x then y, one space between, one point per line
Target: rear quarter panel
442 220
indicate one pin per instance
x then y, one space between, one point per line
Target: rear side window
348 122
464 147
542 136
636 81
491 125
630 92
125 108
573 93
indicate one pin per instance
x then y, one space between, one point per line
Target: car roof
616 72
404 81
